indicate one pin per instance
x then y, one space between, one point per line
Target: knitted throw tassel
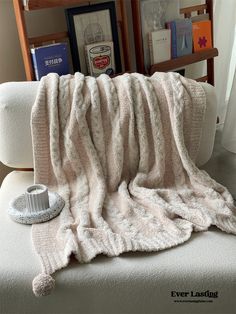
43 284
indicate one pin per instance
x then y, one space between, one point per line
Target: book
100 58
171 26
50 58
202 37
183 37
159 46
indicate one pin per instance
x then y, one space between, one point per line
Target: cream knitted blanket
121 153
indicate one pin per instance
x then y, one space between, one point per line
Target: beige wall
39 22
11 67
11 63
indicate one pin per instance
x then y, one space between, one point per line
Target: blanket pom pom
43 284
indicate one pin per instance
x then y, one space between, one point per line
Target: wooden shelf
172 64
46 38
183 61
39 4
27 43
196 8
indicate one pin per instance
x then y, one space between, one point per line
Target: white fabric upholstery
132 283
16 100
137 283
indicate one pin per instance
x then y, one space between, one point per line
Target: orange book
202 38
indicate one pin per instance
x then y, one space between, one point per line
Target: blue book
171 25
51 58
184 38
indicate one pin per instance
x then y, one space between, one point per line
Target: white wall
224 40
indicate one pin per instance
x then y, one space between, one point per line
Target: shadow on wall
3 172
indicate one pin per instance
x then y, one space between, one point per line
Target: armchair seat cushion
131 283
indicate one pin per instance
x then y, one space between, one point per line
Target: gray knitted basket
19 212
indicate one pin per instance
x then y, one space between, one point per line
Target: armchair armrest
16 100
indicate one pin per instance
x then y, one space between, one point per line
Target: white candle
37 197
36 191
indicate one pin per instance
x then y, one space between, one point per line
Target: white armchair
132 283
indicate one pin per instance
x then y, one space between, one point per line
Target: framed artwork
92 24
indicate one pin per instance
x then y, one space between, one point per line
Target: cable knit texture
121 153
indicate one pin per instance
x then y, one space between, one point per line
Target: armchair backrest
16 100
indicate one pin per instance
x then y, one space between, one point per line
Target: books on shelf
202 37
160 46
181 37
50 58
100 58
190 34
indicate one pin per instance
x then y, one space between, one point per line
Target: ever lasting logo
206 296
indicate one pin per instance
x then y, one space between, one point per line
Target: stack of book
181 37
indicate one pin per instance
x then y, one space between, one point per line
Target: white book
160 45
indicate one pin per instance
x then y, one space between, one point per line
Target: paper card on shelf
159 45
100 58
202 37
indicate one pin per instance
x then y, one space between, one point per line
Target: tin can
101 58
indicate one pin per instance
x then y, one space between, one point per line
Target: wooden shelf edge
183 61
38 4
202 79
47 38
200 7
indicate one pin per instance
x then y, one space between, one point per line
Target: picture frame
90 24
